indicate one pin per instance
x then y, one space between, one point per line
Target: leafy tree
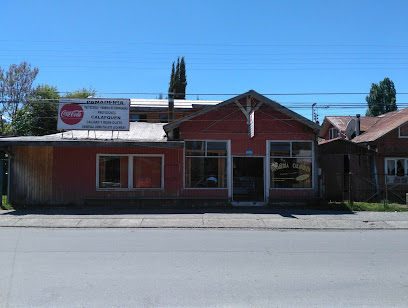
178 79
82 93
39 116
381 98
44 110
21 124
16 88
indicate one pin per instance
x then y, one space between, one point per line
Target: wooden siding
229 123
392 145
74 174
336 169
31 175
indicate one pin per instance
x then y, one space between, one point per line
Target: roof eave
99 143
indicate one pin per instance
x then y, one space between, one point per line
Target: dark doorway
248 179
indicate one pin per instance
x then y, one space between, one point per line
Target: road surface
202 268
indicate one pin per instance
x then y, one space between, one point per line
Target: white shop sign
93 113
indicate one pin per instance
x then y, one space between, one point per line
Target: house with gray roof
247 150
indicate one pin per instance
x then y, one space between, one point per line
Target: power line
202 52
227 69
278 61
227 94
207 44
292 105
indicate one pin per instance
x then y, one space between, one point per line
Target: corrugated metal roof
341 122
385 124
138 132
163 103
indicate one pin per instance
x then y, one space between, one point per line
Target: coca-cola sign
71 114
93 113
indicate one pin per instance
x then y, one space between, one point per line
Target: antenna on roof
350 129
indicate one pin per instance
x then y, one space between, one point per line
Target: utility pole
315 115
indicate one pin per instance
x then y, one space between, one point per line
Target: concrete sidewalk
252 218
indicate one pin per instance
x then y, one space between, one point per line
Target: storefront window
302 149
113 172
205 164
280 149
195 148
291 164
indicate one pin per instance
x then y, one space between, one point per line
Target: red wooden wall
74 173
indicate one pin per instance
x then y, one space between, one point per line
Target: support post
1 181
350 192
171 107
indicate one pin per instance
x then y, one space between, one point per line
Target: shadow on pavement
284 211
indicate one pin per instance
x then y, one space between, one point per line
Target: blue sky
230 47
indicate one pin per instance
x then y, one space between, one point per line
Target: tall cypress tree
178 79
172 81
183 78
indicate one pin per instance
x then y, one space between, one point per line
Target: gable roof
385 123
340 122
256 95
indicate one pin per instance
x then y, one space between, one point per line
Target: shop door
248 183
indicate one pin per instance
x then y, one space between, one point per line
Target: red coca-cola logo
71 114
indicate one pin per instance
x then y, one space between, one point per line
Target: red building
248 150
375 158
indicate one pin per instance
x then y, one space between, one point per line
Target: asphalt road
202 268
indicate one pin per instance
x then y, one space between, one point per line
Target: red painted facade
230 123
75 169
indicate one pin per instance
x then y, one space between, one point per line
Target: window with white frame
113 172
291 164
206 164
333 133
129 171
396 170
403 131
